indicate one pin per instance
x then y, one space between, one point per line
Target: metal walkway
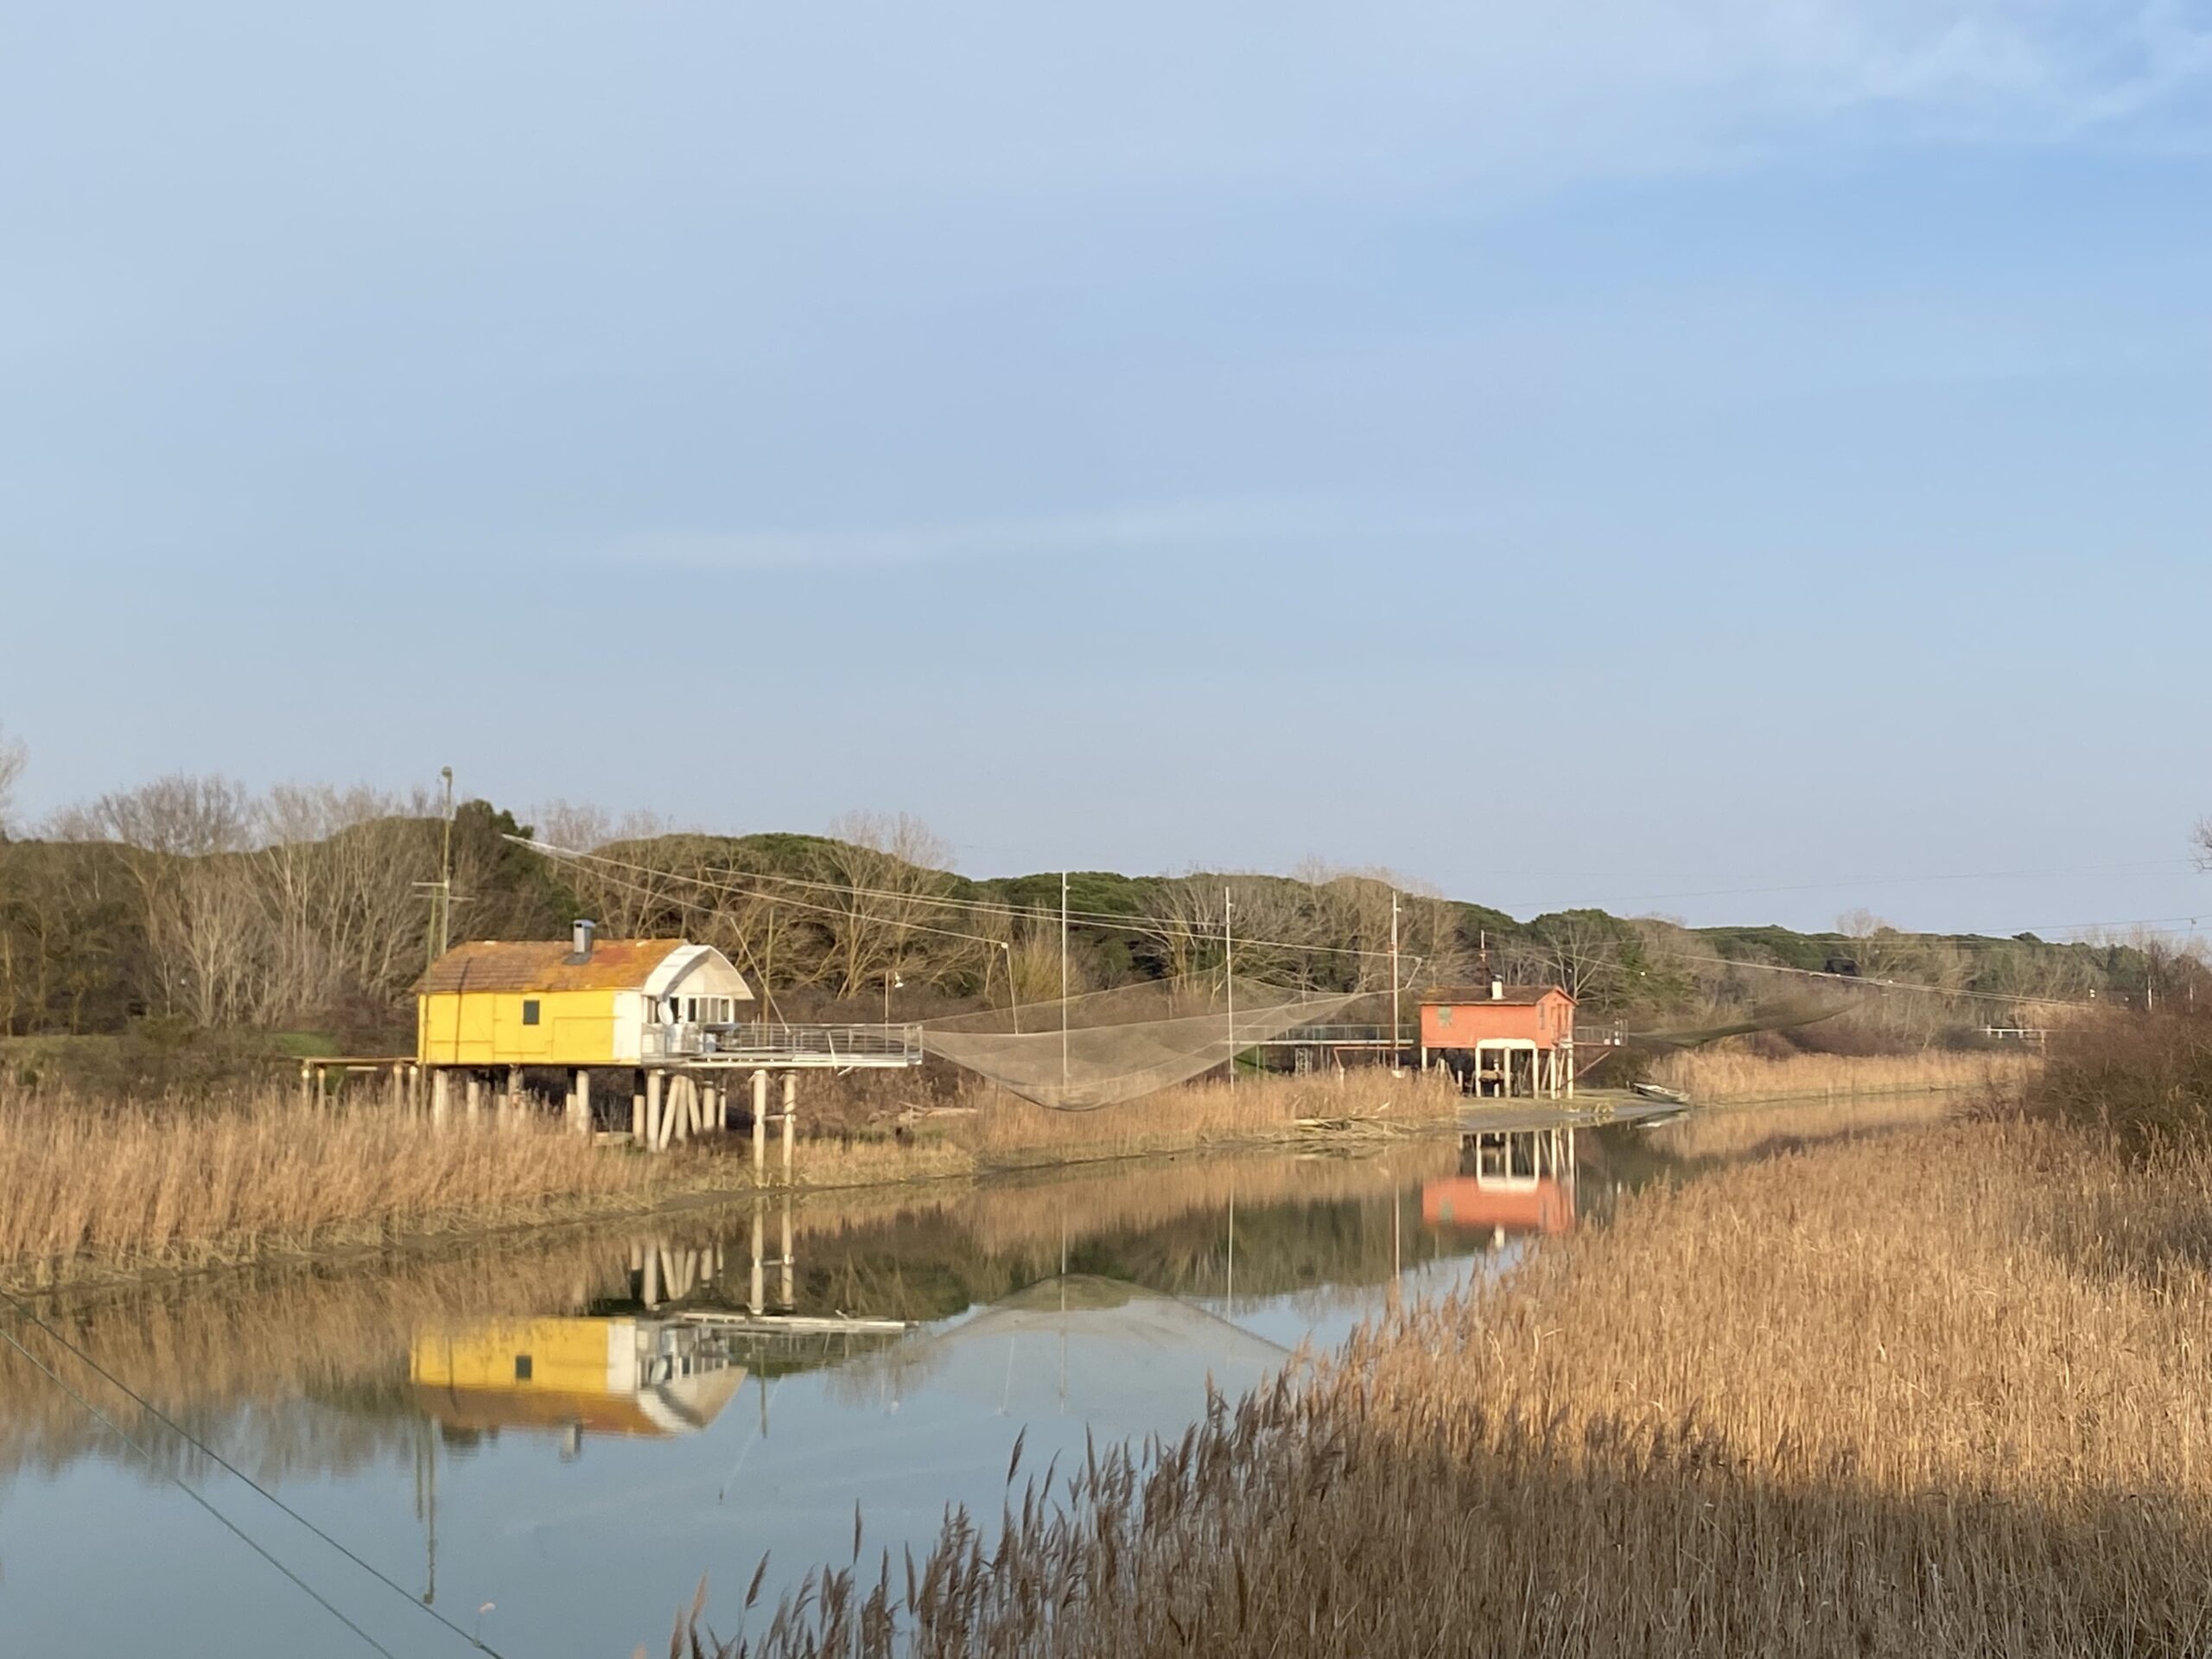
778 1047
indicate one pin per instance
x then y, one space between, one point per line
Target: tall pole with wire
1397 1030
439 940
1228 979
1063 979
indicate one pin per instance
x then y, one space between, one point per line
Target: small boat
1654 1091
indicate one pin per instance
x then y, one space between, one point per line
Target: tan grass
1936 1393
149 1186
1009 1130
98 1189
1725 1073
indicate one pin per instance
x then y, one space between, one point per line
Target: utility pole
1395 1028
440 939
1063 979
1228 978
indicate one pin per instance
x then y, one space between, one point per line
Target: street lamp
892 982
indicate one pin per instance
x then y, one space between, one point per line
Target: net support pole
1397 1030
1063 979
1228 978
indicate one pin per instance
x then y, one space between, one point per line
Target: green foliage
75 955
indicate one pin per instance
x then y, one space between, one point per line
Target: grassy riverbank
1935 1391
96 1190
1724 1072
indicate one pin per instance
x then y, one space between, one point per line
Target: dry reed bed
1255 1109
97 1188
1936 1393
1726 1072
135 1187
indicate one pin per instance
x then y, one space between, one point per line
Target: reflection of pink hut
1509 1182
1503 1039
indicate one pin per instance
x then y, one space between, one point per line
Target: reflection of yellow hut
603 1376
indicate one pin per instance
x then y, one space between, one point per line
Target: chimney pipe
580 934
1498 990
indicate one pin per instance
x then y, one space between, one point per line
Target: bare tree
635 882
1186 925
183 841
1580 950
884 870
339 874
13 759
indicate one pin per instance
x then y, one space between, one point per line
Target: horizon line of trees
308 906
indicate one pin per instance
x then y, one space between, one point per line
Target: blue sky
1655 454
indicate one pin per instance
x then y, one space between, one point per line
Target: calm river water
551 1440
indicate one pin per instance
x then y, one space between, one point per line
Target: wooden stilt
440 1108
474 1091
637 1114
655 1107
785 1292
580 1103
760 1126
650 1297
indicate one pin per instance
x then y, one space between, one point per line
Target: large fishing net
1109 1047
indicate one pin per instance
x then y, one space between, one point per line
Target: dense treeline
191 900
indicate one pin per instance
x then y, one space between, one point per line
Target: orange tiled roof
1516 996
545 965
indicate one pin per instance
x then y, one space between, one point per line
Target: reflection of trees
235 1357
305 1370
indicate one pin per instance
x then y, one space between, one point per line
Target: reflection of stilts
426 1505
785 1263
1232 1297
1519 1180
1397 1266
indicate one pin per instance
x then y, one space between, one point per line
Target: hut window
529 1011
522 1368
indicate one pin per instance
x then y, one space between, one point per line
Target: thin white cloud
1196 527
1312 93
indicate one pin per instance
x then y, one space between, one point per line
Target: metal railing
1323 1036
785 1045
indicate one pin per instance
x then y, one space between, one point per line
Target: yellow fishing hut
580 1002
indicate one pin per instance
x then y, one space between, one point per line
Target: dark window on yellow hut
529 1012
